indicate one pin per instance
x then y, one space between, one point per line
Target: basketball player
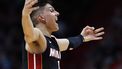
39 20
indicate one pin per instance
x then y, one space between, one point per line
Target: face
50 16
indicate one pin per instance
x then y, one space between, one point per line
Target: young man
39 21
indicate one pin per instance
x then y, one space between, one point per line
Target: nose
57 13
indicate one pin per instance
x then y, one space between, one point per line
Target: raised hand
28 7
90 33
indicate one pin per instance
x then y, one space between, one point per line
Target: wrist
83 37
86 39
25 15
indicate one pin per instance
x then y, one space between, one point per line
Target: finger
32 3
88 27
99 34
98 38
85 28
90 31
99 29
28 2
93 28
35 8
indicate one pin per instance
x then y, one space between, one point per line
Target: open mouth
56 20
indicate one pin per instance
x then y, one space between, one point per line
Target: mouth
56 20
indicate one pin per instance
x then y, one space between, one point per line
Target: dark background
74 15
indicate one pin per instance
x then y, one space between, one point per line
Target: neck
44 30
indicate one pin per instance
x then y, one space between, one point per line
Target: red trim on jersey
37 61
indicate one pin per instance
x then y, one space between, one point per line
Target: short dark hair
41 4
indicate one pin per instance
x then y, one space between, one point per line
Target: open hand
28 7
90 33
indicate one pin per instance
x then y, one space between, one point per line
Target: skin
35 36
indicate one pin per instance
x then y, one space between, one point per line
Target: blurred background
74 15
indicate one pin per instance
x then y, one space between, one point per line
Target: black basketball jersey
52 56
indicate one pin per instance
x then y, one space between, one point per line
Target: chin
56 29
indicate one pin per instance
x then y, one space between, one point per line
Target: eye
52 10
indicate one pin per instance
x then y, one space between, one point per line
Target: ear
41 19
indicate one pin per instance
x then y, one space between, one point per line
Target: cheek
50 19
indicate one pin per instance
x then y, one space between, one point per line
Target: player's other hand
90 33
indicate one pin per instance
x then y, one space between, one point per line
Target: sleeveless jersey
50 59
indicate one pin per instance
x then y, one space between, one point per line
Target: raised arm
29 31
32 35
88 34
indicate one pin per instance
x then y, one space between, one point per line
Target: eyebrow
51 7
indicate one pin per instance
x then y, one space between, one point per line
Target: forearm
27 25
76 41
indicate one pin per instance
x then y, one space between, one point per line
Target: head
46 15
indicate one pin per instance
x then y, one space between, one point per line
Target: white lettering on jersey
55 53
